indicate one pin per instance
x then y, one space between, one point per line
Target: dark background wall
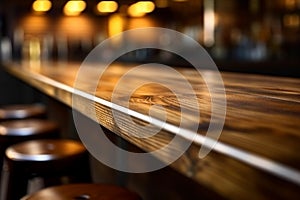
251 36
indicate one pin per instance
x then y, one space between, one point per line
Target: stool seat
83 192
44 150
54 160
26 127
12 132
22 111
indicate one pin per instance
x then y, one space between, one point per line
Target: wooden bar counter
257 154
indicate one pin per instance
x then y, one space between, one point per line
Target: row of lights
75 7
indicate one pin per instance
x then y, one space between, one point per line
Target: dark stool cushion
26 127
47 158
12 132
22 111
84 192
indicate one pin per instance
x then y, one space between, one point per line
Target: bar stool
12 132
47 159
22 111
83 192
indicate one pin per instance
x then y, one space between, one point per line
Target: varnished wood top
257 150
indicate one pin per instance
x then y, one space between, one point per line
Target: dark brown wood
22 111
15 131
49 159
44 150
27 127
84 191
256 152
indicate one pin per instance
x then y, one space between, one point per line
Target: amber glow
161 3
75 27
35 24
140 8
41 6
290 4
74 8
142 22
107 6
291 21
209 23
115 24
34 49
34 53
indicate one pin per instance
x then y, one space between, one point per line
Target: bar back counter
257 153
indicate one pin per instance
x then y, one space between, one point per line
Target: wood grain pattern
262 121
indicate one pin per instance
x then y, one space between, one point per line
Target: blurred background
251 36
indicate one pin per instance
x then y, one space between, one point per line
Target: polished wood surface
257 150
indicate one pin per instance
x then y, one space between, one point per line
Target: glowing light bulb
41 6
141 8
73 7
107 6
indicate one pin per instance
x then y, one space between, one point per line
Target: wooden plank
259 145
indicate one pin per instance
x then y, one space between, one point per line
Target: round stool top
21 111
44 150
83 192
26 127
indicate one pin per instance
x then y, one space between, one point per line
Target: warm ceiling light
107 6
41 5
146 6
134 12
74 7
140 8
